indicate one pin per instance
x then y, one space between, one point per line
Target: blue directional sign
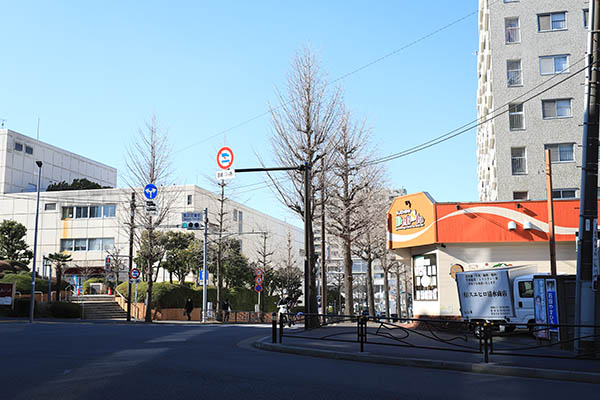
150 191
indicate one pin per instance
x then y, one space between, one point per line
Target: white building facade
526 47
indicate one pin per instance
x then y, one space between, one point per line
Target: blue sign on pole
552 303
150 191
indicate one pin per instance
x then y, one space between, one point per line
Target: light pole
37 214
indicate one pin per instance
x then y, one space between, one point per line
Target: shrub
23 281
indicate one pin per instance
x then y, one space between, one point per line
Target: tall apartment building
525 47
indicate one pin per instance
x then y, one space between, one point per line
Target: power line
475 123
340 78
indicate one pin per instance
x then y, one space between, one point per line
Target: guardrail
434 334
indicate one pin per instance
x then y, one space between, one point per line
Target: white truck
500 295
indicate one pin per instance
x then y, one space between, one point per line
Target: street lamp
37 214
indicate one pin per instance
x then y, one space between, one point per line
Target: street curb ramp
492 369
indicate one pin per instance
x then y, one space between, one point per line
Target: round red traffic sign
134 273
224 158
258 288
258 272
258 280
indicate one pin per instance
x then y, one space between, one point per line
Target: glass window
28 149
520 195
235 214
50 207
18 146
564 193
425 277
109 210
95 244
556 108
552 21
511 29
108 244
561 152
240 222
516 118
67 212
80 244
66 244
526 289
189 199
586 16
95 211
81 212
550 65
513 72
519 160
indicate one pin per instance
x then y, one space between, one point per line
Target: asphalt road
118 361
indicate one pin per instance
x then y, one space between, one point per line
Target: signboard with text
7 293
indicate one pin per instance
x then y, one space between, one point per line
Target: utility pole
587 261
323 251
551 240
35 235
204 266
308 273
131 228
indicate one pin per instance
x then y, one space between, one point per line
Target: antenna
2 121
38 129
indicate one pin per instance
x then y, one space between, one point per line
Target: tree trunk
386 291
149 296
58 280
348 301
398 311
170 277
370 292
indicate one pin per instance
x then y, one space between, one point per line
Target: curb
521 372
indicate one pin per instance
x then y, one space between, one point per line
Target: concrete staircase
99 306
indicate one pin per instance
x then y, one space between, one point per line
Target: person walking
226 309
187 309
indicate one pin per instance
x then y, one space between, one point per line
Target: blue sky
93 72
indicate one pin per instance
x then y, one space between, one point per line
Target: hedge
47 310
23 282
167 295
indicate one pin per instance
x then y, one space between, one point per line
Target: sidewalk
461 352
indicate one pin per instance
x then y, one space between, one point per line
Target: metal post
37 214
307 250
50 282
588 217
323 251
274 327
204 265
131 228
551 240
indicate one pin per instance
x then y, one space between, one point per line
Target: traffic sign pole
204 266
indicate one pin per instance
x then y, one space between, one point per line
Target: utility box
554 304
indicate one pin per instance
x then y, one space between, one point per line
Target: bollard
485 343
280 328
274 326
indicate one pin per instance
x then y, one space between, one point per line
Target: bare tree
149 161
304 125
289 276
221 222
351 179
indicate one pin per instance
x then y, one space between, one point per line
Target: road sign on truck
497 294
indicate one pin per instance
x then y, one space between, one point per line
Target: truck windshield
526 289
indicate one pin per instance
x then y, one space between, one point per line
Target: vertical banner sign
595 266
539 297
552 304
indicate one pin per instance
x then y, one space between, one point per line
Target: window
586 17
66 244
80 245
552 22
109 210
556 108
81 212
519 160
95 211
235 215
551 65
511 1
50 207
511 30
516 120
240 222
28 149
108 244
520 195
513 72
560 152
526 289
67 212
189 199
18 146
425 273
564 193
95 244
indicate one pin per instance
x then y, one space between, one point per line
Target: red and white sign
134 273
258 272
225 158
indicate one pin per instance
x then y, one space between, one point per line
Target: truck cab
523 300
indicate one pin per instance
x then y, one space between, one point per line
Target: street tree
221 242
13 247
304 124
288 278
351 179
181 254
149 161
237 272
264 262
59 260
